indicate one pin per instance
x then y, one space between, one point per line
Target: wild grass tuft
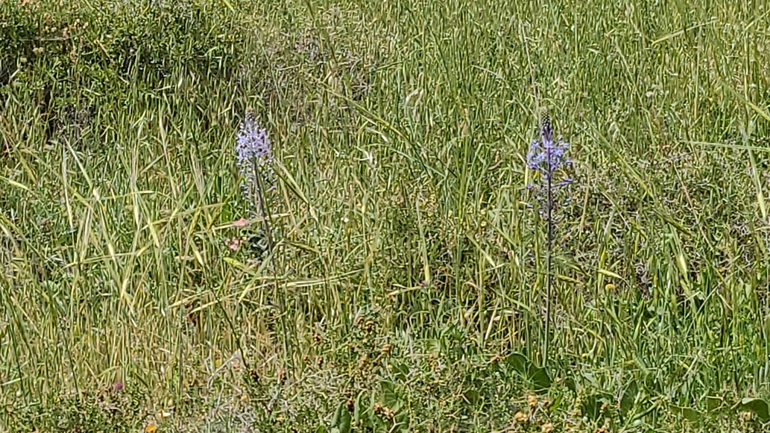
404 289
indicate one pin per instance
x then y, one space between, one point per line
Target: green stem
548 276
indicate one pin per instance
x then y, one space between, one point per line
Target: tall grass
411 288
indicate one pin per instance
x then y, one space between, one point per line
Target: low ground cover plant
365 216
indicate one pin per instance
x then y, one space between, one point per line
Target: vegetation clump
314 216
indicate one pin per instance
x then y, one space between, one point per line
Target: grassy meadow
406 290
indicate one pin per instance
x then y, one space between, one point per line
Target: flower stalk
254 161
546 157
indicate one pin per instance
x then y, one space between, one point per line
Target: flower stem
548 276
279 294
263 208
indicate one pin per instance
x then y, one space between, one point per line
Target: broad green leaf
389 396
338 414
401 371
590 407
357 409
758 407
540 378
688 413
344 424
629 397
518 362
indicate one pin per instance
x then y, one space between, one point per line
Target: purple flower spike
254 158
252 141
546 157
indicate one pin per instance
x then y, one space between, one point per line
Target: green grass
407 288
